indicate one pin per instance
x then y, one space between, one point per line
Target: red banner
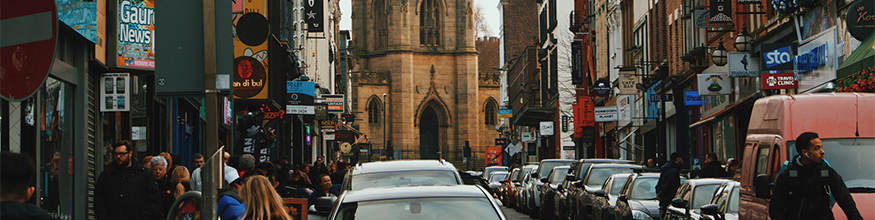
779 81
583 115
493 156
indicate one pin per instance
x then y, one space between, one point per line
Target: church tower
421 54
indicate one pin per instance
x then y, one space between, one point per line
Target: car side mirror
534 175
763 186
323 204
679 203
578 184
517 184
710 209
622 198
545 180
600 193
570 177
515 181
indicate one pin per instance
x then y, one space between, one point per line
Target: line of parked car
606 189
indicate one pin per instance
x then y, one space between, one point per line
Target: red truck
845 123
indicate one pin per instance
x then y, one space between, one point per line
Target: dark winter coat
14 210
713 170
126 193
669 181
805 193
166 187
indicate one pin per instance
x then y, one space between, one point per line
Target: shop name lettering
814 59
785 80
133 21
865 17
249 83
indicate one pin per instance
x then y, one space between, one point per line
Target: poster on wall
114 92
136 31
250 51
714 84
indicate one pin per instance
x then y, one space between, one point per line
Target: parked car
469 179
401 173
593 180
425 202
534 192
776 121
692 195
494 181
578 171
550 188
505 191
606 198
522 194
724 204
637 199
490 169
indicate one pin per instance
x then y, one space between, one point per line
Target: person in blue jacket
230 205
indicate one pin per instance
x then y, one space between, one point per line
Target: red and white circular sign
28 34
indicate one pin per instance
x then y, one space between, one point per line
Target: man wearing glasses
125 189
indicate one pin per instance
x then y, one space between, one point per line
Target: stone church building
416 78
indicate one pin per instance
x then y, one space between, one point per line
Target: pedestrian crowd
130 189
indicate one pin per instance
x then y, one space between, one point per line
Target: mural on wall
81 16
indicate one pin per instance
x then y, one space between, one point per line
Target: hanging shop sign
602 87
779 56
861 19
576 63
251 71
345 136
714 84
505 113
136 27
721 11
605 114
334 102
816 61
546 128
314 15
300 92
114 92
300 109
624 110
692 98
583 115
779 81
743 65
628 80
329 124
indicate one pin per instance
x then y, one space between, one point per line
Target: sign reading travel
861 19
743 65
28 34
779 81
136 24
714 84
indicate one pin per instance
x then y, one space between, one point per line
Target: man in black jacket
713 168
669 180
16 175
804 188
126 190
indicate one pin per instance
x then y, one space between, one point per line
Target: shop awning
747 103
533 116
862 58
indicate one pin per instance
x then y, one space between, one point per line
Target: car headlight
640 215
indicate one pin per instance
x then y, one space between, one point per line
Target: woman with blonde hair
262 202
181 178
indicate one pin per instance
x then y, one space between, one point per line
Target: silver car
422 202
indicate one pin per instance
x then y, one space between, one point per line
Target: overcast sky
490 12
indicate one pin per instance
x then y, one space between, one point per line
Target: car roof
614 165
371 194
605 160
557 160
402 165
706 181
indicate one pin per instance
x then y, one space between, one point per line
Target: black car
533 193
578 171
637 200
606 198
724 204
593 180
550 189
691 195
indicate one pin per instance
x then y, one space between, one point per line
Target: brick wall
520 26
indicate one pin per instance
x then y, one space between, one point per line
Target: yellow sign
250 59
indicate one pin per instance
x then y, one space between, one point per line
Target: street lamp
384 123
742 42
719 55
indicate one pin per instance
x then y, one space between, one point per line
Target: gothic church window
429 23
374 111
490 113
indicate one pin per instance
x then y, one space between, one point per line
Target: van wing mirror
763 186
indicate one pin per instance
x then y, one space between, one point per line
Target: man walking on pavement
713 168
126 190
669 181
229 172
804 188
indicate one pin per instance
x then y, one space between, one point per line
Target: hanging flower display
864 81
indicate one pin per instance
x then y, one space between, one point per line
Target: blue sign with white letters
778 56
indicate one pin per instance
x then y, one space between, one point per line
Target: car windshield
419 208
644 189
850 157
498 177
547 167
733 201
410 178
559 175
617 186
703 195
598 175
515 175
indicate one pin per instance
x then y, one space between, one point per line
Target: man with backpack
804 188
